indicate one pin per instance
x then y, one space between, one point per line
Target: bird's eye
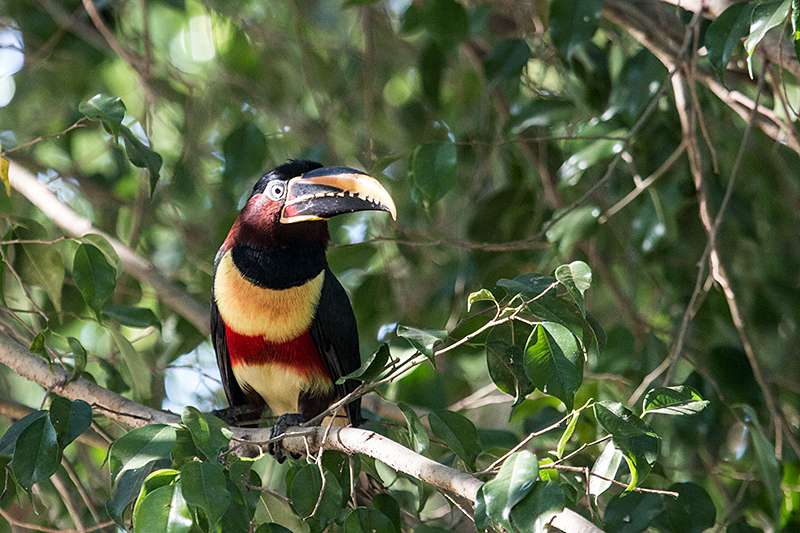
276 190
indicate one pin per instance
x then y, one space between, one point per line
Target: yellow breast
277 315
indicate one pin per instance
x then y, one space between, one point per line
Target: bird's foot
284 422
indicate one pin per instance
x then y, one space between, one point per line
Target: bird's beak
325 192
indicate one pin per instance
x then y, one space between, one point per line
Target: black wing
233 391
335 334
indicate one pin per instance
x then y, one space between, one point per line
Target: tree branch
77 226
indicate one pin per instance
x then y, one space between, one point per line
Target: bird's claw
284 422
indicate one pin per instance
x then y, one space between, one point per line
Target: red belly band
299 353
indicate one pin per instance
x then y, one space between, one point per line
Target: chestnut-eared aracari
281 323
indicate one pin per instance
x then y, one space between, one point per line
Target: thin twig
79 124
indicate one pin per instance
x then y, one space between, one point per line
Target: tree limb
77 226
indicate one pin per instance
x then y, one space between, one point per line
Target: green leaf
108 109
528 284
765 16
272 527
132 317
126 490
446 21
572 23
423 340
79 357
94 277
577 278
9 439
163 511
641 453
210 434
575 226
70 419
724 34
368 520
693 511
606 466
433 171
768 466
632 512
371 368
111 254
417 434
796 25
432 63
506 60
513 482
554 361
142 156
135 371
483 295
305 491
139 447
458 433
245 150
506 364
542 112
203 485
39 264
155 480
39 348
37 455
620 421
386 504
570 429
681 400
536 511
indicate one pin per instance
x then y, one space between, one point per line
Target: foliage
594 261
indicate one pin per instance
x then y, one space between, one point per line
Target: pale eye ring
276 190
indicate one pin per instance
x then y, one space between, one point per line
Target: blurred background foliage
511 136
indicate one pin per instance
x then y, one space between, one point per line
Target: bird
282 325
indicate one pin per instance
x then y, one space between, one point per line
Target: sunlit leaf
577 278
163 510
510 486
483 295
423 340
38 263
554 361
765 16
606 466
681 400
109 109
139 447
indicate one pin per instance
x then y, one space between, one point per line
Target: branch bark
77 226
460 485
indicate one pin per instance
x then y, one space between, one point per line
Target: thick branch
77 226
458 484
